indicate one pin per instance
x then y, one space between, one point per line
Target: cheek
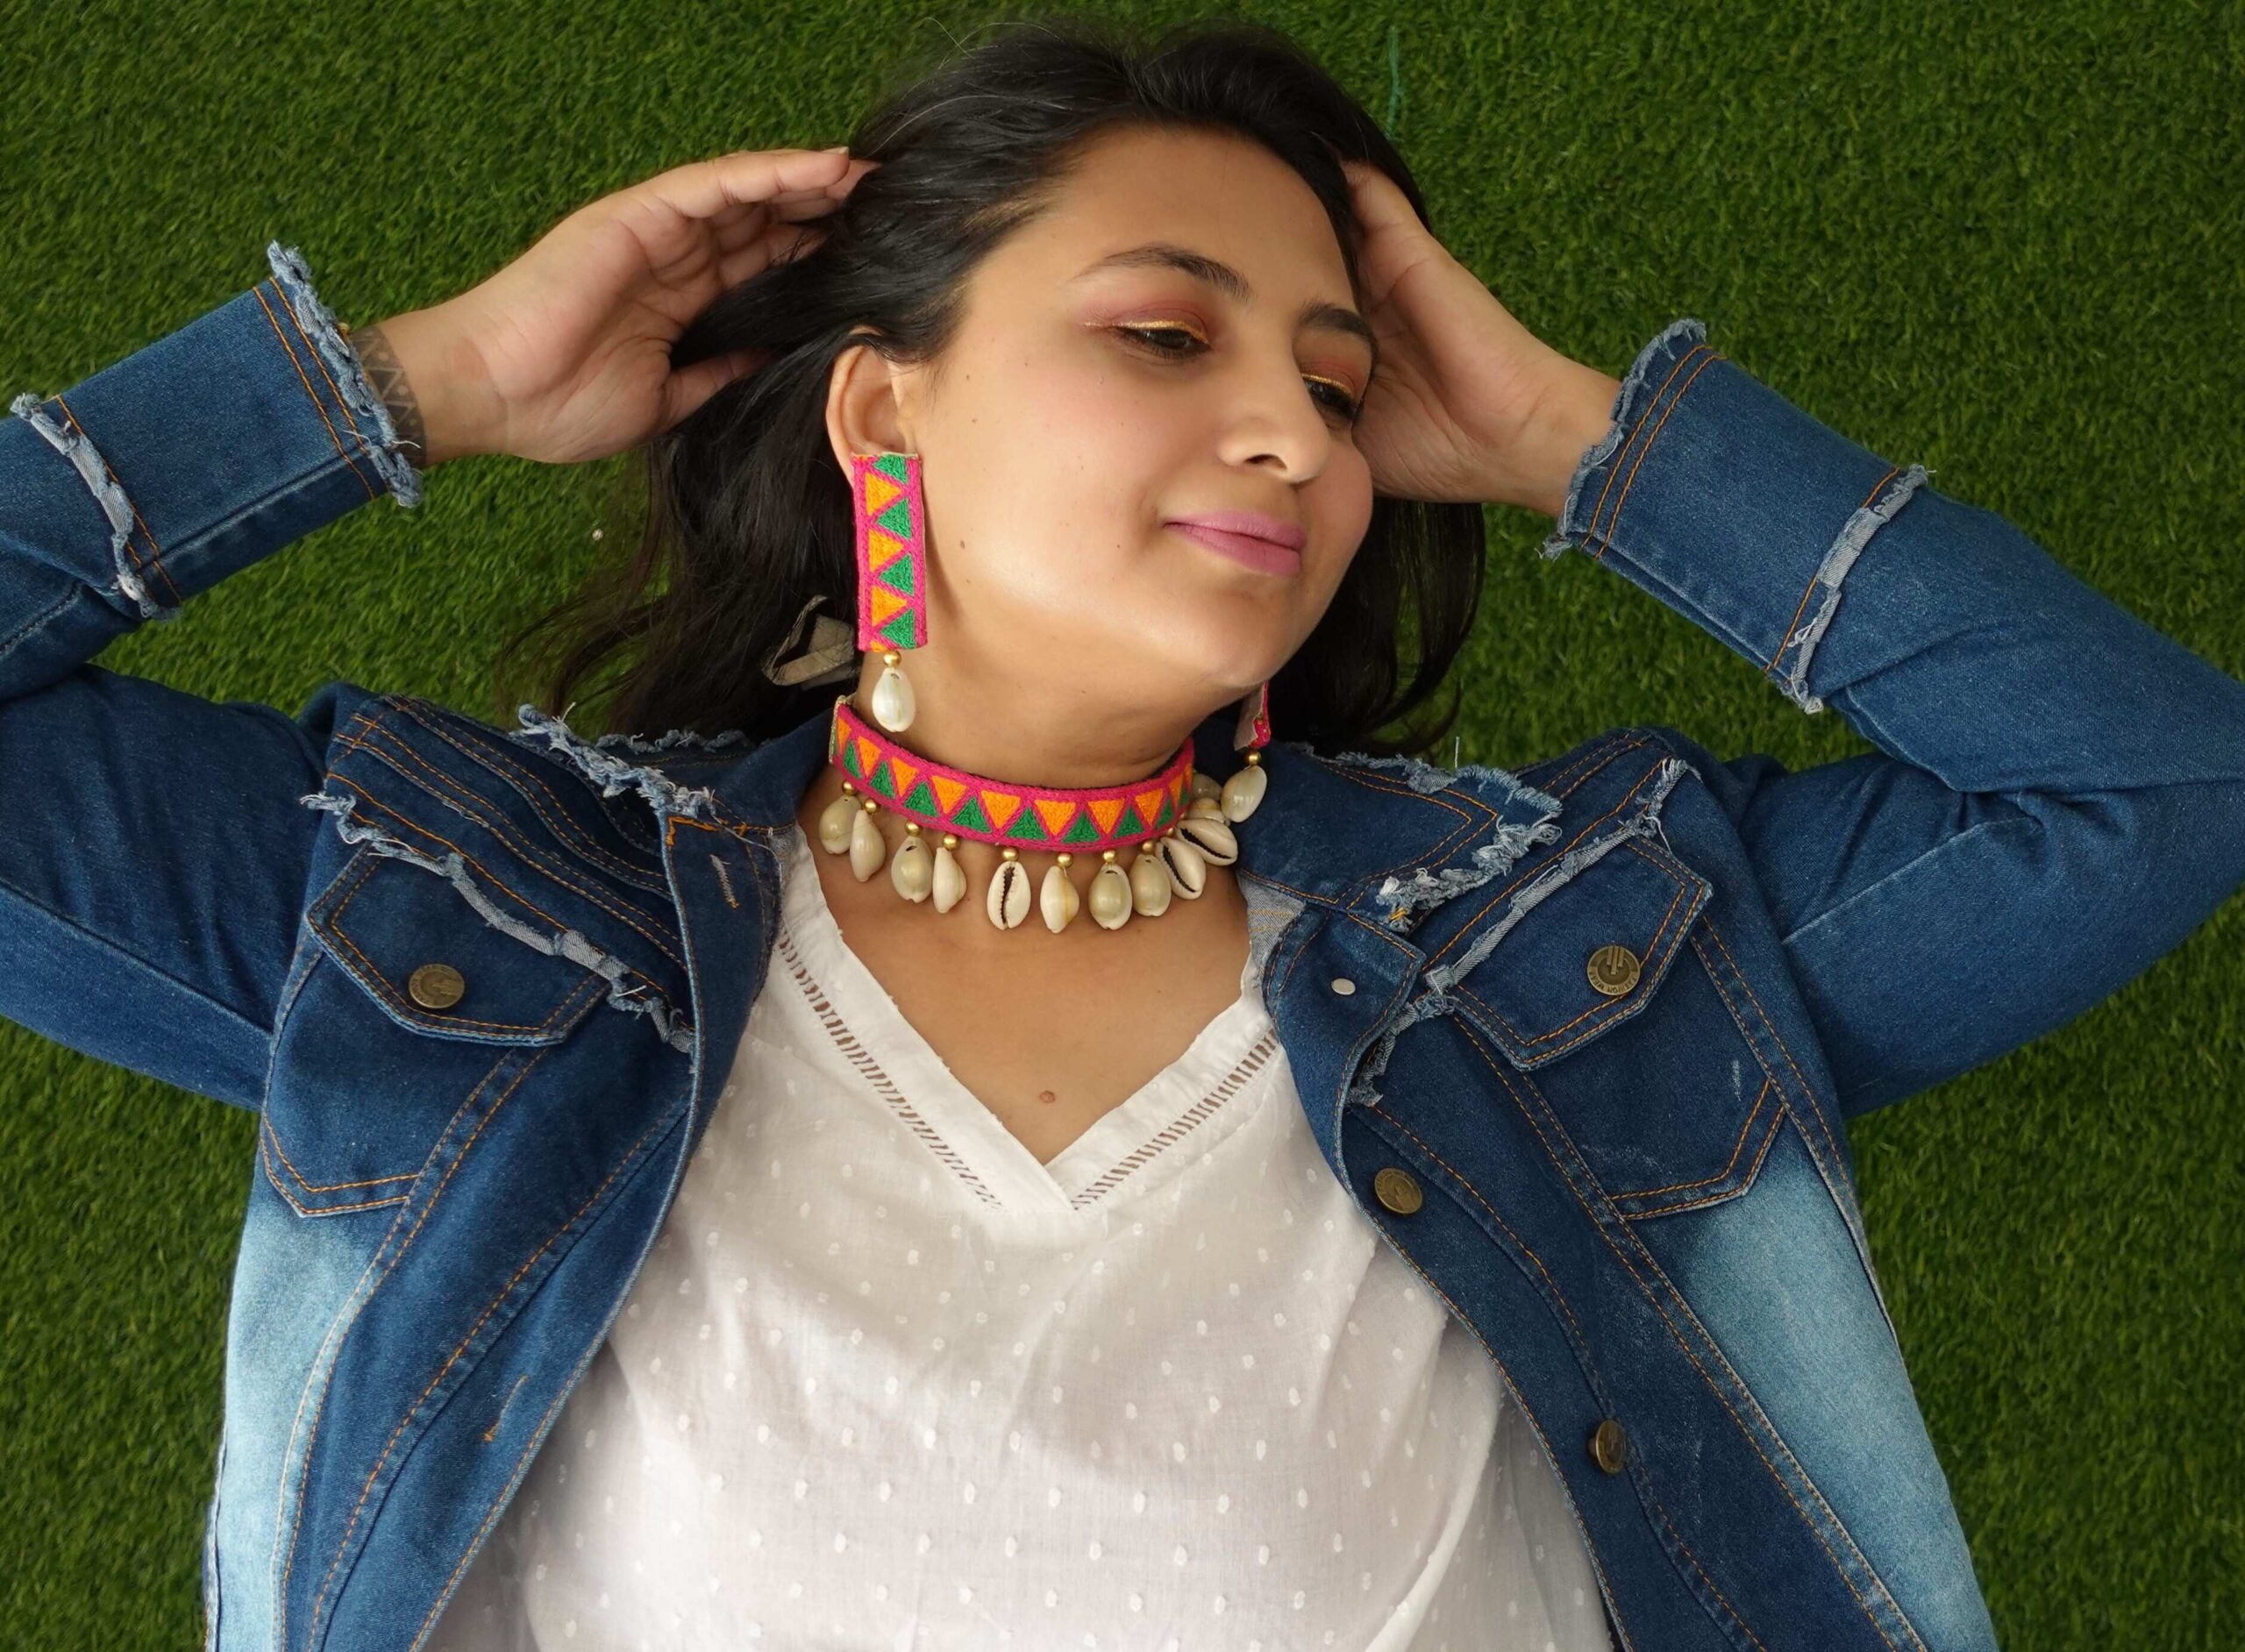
1057 474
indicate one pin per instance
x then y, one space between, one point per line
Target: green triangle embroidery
922 798
897 519
891 466
970 817
1083 831
897 576
1029 827
898 632
884 781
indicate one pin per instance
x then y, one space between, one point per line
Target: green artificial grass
2002 242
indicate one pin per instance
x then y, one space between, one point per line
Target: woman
1413 1209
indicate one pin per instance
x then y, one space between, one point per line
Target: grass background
2002 241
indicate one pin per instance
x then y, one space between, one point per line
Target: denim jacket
1581 1039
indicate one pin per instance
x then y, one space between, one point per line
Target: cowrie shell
1188 868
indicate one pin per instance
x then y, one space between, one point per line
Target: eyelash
1347 407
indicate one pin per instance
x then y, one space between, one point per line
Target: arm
154 853
2058 796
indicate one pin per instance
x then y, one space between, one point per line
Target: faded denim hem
77 447
1627 414
318 322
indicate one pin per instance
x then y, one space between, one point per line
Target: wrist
425 378
1572 415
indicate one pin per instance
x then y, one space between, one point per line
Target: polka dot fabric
887 1382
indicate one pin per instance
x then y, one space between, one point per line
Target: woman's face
1056 447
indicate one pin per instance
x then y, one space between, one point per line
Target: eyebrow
1230 282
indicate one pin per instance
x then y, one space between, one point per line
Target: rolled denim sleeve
2058 796
197 455
153 849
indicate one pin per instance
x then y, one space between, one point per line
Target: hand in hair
564 355
1468 405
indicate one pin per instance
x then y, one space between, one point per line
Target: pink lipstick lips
1248 536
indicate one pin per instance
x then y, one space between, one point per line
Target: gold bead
951 840
1065 858
912 827
851 789
889 656
872 807
1009 853
1254 757
1107 854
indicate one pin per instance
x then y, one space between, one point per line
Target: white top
887 1382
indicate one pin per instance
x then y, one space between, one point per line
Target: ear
866 403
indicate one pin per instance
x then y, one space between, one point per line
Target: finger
736 226
1379 205
702 188
780 243
689 387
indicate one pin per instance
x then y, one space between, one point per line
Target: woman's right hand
564 355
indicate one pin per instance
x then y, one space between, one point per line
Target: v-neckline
1194 1101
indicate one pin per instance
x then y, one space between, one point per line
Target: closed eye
1337 398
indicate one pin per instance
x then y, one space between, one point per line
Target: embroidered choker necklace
1180 820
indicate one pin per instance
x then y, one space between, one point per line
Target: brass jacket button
1613 970
1609 1446
1398 1190
436 986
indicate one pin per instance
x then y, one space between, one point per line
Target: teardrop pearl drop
834 823
1057 898
1150 888
1110 896
951 882
1244 791
892 704
867 849
912 869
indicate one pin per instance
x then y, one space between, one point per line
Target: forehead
1218 193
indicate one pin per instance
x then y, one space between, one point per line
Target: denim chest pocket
1597 995
412 1006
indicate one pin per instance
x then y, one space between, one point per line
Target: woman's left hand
1468 405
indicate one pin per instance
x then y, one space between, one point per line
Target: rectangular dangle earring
890 514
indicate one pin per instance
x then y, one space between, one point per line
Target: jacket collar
1379 837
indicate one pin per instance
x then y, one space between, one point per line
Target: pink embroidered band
947 800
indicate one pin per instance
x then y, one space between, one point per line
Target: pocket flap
1589 951
436 966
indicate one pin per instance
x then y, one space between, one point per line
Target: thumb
1381 205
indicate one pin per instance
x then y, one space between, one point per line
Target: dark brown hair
747 514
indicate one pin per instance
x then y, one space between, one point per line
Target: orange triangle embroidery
1001 807
1149 805
884 603
901 773
1105 812
1056 813
881 549
947 791
880 489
